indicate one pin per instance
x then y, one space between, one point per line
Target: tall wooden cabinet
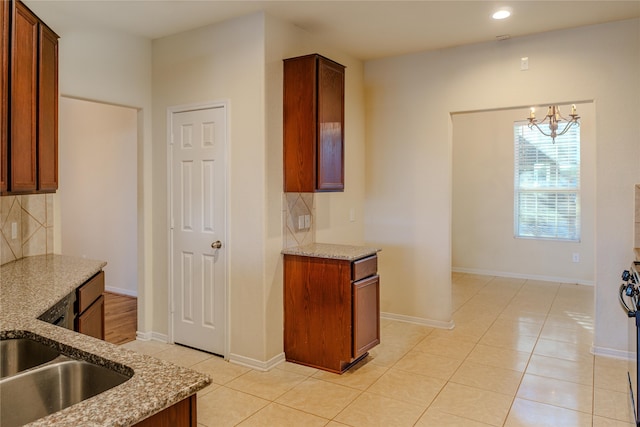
313 124
331 310
29 162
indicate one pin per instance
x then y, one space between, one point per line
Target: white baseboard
258 365
613 353
152 336
121 291
418 320
522 276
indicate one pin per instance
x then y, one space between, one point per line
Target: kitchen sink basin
34 394
38 381
20 354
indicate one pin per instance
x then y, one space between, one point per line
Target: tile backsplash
26 226
298 216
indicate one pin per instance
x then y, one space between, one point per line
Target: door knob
217 244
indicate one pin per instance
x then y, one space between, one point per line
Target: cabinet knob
217 244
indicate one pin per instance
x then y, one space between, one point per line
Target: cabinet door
366 315
299 123
330 168
317 312
91 322
23 99
48 111
4 93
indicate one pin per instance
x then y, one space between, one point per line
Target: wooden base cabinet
182 414
90 307
331 311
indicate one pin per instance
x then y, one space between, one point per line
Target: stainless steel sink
36 392
20 354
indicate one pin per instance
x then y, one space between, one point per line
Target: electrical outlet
14 230
307 221
352 215
524 63
301 222
576 257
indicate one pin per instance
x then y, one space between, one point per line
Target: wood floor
120 318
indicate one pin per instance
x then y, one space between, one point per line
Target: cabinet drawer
364 267
90 291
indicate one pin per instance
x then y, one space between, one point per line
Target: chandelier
554 117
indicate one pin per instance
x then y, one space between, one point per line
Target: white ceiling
364 29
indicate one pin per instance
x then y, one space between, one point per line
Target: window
547 184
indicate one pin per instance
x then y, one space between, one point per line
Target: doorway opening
97 200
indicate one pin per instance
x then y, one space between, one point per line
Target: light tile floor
518 356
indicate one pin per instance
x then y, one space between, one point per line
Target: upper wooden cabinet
4 93
313 124
29 162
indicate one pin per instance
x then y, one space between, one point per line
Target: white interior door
198 228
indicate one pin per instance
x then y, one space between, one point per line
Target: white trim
522 276
613 353
224 104
418 320
121 291
258 365
152 336
169 138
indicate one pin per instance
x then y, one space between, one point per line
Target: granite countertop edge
31 285
332 251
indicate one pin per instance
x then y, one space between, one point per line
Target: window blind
547 184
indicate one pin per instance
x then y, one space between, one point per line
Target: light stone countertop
332 251
30 286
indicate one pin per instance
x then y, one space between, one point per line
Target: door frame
170 112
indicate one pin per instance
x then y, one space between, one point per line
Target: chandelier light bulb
553 118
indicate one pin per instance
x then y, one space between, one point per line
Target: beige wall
114 68
482 218
409 152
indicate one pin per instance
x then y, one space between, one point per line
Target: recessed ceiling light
502 14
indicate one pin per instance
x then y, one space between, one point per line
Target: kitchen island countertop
30 286
332 251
